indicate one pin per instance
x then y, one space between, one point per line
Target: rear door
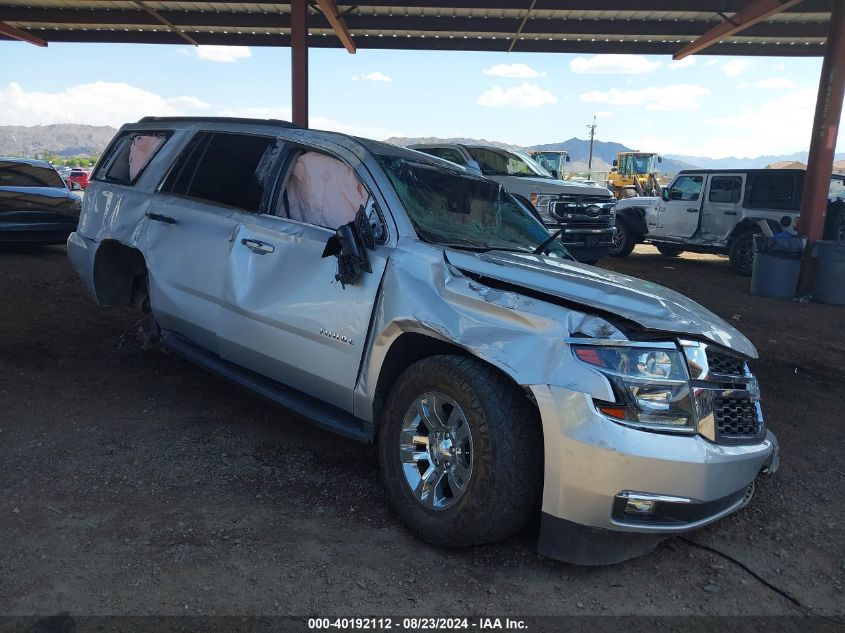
286 316
679 216
722 205
191 227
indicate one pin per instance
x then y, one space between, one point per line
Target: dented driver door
286 317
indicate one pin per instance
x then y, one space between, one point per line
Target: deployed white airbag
324 191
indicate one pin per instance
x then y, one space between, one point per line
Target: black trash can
829 275
777 265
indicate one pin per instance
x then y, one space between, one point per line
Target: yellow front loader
634 174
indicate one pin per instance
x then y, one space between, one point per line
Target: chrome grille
724 364
738 419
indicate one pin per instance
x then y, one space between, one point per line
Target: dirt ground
132 482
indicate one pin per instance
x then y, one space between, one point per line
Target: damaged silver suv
394 299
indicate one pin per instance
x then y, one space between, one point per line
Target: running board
323 415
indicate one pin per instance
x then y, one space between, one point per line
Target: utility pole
592 129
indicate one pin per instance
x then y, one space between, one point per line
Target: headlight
541 200
651 385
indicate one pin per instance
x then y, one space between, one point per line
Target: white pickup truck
718 211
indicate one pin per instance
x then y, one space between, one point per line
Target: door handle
257 246
692 210
158 217
730 212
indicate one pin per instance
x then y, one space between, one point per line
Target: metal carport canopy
789 28
548 26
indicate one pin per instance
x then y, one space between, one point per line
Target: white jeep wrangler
718 211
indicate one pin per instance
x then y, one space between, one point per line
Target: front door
285 315
679 215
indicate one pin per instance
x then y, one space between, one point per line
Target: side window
322 190
128 156
725 189
447 153
772 190
686 188
230 169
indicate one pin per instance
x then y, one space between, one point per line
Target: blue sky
709 106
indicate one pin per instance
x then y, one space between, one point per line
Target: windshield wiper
541 249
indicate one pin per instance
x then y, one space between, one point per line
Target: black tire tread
630 241
491 510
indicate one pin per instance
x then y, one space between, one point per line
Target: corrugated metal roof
600 26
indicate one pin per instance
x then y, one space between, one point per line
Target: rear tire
668 251
741 253
623 241
497 442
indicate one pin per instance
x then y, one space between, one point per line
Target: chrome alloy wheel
436 449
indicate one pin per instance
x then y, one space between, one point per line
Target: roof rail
216 119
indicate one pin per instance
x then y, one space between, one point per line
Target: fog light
638 505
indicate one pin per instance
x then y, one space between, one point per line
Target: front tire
623 241
461 452
741 253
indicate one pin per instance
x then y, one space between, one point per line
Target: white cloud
749 132
674 98
776 83
374 76
686 62
223 54
514 71
525 95
712 62
613 65
187 103
96 103
736 67
604 114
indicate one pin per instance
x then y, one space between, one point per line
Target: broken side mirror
665 194
350 244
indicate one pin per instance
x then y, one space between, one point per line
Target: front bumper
590 461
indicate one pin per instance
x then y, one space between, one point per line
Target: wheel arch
117 269
407 349
634 217
752 225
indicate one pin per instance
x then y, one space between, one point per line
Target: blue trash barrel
777 265
829 275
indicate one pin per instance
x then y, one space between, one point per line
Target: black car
35 204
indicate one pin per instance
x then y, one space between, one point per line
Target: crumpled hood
651 306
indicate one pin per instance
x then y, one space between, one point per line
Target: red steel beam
299 61
332 13
20 34
164 21
755 12
823 142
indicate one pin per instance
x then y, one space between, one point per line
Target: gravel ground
132 482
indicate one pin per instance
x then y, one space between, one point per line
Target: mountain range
65 140
70 139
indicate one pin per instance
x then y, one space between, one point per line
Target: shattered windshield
500 162
458 209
